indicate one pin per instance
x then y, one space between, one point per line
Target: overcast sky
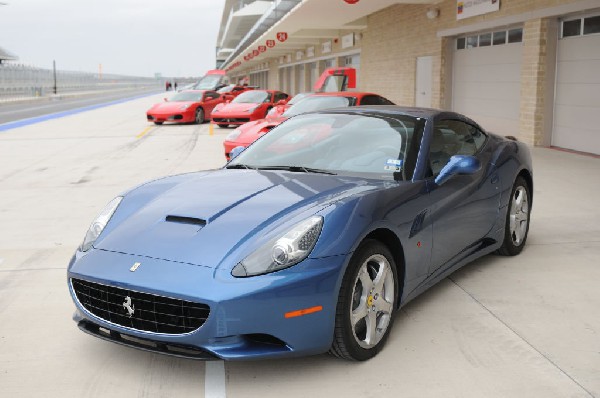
131 37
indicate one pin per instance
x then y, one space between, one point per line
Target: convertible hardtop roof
340 94
391 110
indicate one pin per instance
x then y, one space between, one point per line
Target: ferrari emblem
127 305
134 267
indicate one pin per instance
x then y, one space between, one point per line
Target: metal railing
21 82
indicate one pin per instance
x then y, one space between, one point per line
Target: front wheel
223 125
517 220
364 313
158 123
199 119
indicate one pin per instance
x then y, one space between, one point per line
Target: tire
361 337
199 118
158 123
223 125
516 227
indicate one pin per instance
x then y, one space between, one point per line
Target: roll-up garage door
487 79
577 103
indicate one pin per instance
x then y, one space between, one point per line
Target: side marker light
305 311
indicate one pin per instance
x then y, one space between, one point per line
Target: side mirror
458 164
235 152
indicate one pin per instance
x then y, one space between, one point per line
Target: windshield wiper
240 166
296 169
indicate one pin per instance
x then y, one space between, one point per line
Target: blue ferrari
307 241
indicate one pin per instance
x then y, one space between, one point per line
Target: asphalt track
526 326
20 113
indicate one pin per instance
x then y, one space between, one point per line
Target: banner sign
262 49
471 8
270 43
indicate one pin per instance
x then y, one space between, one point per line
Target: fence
20 81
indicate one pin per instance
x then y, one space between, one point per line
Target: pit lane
526 326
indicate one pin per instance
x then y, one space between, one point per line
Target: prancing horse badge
134 267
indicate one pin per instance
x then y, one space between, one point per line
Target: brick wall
397 35
533 78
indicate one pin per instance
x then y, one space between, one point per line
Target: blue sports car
307 241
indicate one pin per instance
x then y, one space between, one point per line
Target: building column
537 78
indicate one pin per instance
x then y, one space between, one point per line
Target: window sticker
393 165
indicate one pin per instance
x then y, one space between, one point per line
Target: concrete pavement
527 326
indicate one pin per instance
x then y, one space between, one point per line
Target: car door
464 209
210 100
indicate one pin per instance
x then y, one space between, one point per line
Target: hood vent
186 220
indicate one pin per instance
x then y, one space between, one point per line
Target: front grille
151 313
231 120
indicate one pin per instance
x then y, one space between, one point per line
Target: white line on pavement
214 379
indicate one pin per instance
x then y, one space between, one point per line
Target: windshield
297 98
252 97
187 96
208 82
316 103
347 144
226 89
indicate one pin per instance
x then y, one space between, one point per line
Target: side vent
186 220
417 225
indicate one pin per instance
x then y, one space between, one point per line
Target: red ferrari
231 91
248 106
192 106
250 132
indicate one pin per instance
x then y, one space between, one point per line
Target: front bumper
176 117
247 316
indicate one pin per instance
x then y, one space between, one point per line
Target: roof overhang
239 22
309 22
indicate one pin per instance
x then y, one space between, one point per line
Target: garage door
577 103
487 79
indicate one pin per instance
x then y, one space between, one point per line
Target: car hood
170 106
236 108
201 218
251 131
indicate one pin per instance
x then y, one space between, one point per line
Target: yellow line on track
143 133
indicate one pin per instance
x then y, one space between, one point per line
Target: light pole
54 68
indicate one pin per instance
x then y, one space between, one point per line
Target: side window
375 100
478 137
385 101
280 96
370 100
452 137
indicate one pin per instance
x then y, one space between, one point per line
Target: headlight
99 223
282 252
233 135
252 109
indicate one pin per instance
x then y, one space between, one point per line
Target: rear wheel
517 220
199 116
368 295
158 123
